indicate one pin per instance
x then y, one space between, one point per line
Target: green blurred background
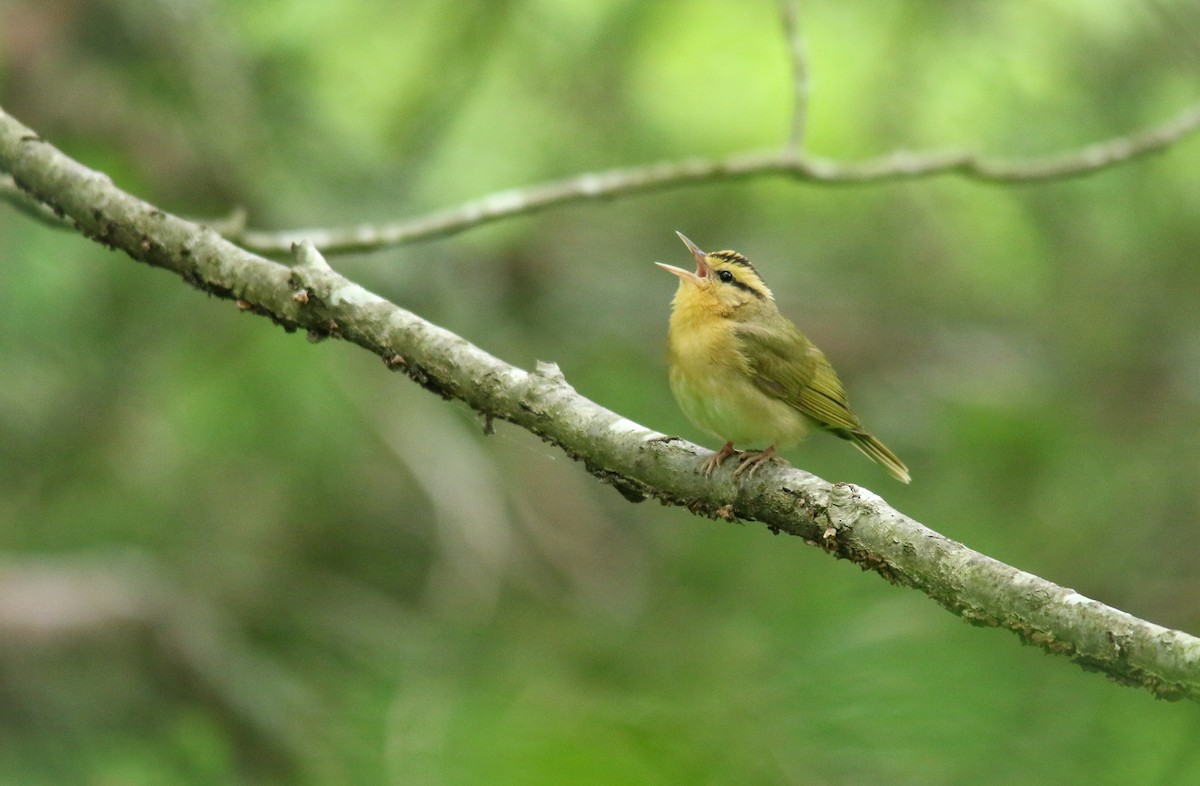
230 556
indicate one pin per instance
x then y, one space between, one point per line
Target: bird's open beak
701 265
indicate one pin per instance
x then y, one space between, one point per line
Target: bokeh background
230 556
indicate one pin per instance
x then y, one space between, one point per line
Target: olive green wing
786 365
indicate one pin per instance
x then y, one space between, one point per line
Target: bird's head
724 281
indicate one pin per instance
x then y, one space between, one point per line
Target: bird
744 373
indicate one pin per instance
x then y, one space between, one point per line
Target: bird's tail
880 453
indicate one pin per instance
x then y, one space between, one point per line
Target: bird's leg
712 462
751 460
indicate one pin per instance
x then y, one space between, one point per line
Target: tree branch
844 520
790 14
899 165
10 193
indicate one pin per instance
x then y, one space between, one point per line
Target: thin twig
790 13
846 521
900 165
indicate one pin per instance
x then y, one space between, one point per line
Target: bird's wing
786 365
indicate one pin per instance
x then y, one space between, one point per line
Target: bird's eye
725 276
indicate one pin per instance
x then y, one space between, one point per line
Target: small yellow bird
743 372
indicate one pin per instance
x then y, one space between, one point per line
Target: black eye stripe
748 288
727 277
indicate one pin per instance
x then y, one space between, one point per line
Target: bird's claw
748 463
712 462
751 460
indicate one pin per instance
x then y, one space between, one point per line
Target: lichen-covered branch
787 162
36 210
846 521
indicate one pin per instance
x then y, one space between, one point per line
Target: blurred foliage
344 581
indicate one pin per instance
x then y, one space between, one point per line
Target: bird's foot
751 460
712 462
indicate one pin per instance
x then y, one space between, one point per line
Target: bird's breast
712 380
